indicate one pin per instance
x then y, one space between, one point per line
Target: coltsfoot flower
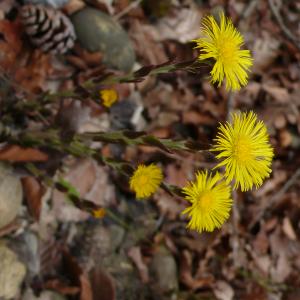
109 97
222 43
146 180
245 150
210 199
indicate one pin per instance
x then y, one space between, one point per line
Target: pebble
97 31
12 273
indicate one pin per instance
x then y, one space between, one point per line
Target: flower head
210 199
99 213
146 180
245 150
222 43
109 97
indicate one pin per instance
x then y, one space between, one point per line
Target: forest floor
142 249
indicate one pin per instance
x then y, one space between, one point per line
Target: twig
127 9
281 24
276 197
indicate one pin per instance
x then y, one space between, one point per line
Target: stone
97 31
11 194
12 273
164 271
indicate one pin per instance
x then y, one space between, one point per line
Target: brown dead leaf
280 251
223 290
86 288
15 153
197 118
136 256
265 51
152 52
33 75
61 287
270 185
186 273
33 191
103 285
10 43
261 242
288 229
285 138
280 94
168 205
280 121
183 25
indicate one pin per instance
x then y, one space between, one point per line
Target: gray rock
164 271
11 194
12 273
97 31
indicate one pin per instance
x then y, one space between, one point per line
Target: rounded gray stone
12 273
97 31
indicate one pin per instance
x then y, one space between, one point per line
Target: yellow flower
210 199
99 213
222 43
109 97
146 180
245 150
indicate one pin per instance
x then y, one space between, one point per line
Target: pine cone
48 29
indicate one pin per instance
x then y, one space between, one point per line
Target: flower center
205 200
226 50
242 150
143 180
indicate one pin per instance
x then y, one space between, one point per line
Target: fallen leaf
86 288
186 273
288 229
61 287
182 26
33 75
265 51
103 285
136 256
280 94
151 51
15 153
168 205
10 44
223 290
33 191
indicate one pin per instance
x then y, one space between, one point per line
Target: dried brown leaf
33 191
86 288
186 273
61 287
288 229
103 285
223 290
10 44
15 153
136 256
